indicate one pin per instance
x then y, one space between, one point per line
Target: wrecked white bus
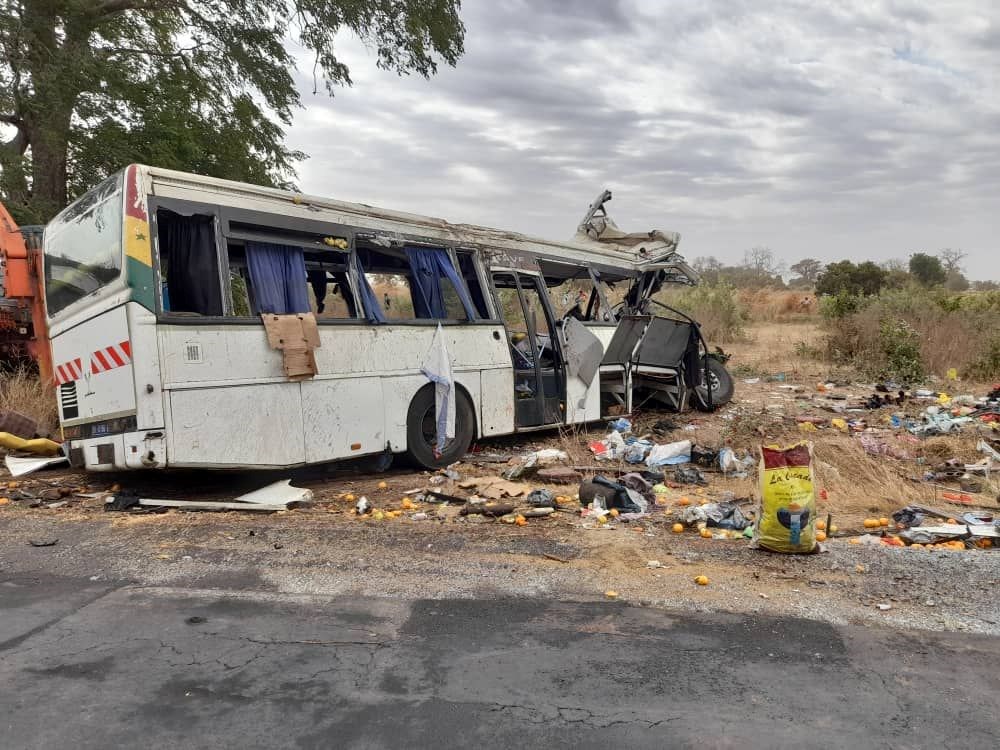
198 322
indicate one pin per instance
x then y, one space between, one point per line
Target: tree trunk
49 138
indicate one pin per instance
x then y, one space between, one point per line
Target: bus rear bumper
131 450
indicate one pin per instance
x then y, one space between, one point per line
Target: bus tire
722 387
420 430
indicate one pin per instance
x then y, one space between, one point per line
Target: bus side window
329 287
239 283
467 270
189 267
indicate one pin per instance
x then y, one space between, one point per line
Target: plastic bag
787 521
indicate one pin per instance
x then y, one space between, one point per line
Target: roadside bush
716 307
906 335
986 366
902 359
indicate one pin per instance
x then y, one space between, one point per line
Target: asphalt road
91 665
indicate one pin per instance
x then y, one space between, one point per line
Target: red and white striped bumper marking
111 357
69 371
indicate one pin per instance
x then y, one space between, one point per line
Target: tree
73 69
709 268
927 269
985 286
807 269
951 260
845 277
956 282
761 262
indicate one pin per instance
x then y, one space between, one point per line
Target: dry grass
24 392
777 305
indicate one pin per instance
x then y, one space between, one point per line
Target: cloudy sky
862 130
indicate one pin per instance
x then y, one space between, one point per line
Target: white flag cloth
437 368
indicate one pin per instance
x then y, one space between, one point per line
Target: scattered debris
43 542
21 466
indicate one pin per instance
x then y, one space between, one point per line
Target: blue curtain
368 299
278 277
429 266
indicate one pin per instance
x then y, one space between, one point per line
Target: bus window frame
297 234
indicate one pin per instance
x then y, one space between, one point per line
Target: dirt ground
327 548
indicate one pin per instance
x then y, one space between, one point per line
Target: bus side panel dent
245 425
339 414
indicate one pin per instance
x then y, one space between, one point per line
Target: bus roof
597 242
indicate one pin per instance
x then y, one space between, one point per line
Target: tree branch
113 7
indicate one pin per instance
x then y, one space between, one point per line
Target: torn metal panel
199 505
277 493
18 467
583 350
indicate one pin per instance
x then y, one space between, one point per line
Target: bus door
539 374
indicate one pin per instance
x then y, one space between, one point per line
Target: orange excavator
24 335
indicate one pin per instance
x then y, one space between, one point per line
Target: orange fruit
951 520
821 525
611 594
820 536
383 485
883 521
871 523
701 580
521 521
684 501
677 528
705 534
613 512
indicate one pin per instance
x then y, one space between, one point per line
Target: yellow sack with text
787 521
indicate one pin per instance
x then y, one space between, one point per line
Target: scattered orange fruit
871 523
611 594
4 500
821 525
521 520
677 528
684 501
951 520
407 504
350 497
613 512
701 580
12 485
383 485
883 521
820 536
705 534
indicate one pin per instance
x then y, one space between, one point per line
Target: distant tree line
762 269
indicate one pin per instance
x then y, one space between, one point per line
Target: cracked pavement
96 664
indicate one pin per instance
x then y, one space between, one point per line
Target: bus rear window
83 246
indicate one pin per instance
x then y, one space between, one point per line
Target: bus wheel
421 430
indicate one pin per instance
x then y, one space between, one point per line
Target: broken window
189 264
413 283
329 287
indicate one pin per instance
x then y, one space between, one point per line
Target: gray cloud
855 129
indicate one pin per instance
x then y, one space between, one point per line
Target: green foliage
845 277
807 270
900 346
927 269
716 307
986 365
206 85
840 305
